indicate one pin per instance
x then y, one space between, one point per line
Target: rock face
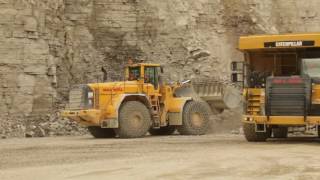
48 46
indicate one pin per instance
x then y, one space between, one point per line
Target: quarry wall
46 46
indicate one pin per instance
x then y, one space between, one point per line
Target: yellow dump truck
280 76
143 102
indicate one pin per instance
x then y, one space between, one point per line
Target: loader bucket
186 91
217 95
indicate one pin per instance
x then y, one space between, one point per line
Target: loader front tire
134 120
99 132
168 130
252 136
195 119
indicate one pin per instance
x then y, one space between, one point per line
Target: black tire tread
280 132
252 136
124 130
186 128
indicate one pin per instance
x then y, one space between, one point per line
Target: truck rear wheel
280 132
168 130
195 119
134 120
99 132
252 136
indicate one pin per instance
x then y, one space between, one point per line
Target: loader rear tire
99 132
195 119
280 132
168 130
252 136
134 120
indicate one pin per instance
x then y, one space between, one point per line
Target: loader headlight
249 119
90 103
90 95
90 99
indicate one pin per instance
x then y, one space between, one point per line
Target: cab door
151 76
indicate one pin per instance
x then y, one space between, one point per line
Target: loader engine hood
86 96
116 87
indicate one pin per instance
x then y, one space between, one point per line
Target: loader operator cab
280 77
149 73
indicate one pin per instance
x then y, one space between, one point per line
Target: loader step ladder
155 105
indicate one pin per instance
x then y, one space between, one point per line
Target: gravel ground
170 157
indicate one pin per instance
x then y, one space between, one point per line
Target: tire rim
196 119
136 119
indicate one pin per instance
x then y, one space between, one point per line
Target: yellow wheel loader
143 102
280 77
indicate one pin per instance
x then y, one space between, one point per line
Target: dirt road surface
170 157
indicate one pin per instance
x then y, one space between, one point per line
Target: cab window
134 73
311 67
151 76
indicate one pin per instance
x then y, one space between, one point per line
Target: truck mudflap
89 117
